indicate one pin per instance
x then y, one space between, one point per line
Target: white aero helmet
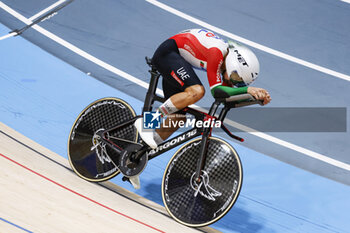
242 65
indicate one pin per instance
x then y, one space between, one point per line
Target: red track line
81 195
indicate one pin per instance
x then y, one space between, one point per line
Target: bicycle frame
205 132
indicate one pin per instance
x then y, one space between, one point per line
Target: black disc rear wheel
88 155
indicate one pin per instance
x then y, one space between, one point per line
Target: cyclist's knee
195 92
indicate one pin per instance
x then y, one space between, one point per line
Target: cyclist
230 68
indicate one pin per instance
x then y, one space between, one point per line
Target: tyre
88 156
199 204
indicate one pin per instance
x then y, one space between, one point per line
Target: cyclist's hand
260 94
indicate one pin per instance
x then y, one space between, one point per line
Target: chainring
127 166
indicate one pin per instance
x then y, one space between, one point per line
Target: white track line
249 42
159 91
347 1
73 48
46 10
8 35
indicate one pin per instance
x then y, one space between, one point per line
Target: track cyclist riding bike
230 68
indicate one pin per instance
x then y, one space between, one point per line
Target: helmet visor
236 79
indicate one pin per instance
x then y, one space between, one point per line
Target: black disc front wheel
89 157
199 203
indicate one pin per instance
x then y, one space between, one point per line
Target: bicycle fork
202 158
204 145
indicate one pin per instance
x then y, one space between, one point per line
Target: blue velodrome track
40 95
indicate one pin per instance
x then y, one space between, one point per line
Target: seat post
151 93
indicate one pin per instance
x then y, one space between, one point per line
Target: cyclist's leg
187 97
181 85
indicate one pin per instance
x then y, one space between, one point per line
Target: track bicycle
203 178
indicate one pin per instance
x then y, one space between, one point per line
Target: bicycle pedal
126 179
